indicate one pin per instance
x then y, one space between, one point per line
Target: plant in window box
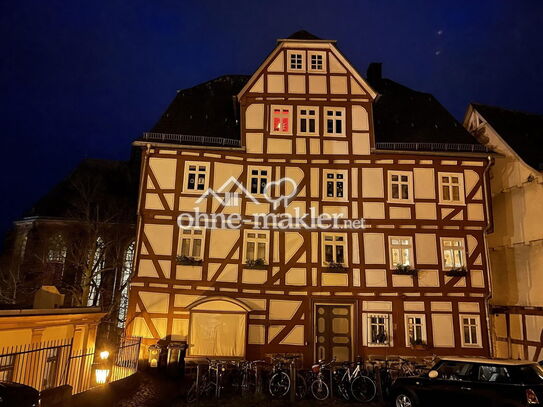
404 270
188 261
418 344
259 264
457 272
336 267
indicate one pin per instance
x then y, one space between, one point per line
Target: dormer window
296 61
316 62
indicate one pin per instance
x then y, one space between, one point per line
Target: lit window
95 280
196 176
400 186
335 121
471 330
281 119
316 61
308 121
453 252
335 249
401 251
415 326
451 187
128 263
256 246
335 184
378 329
296 61
258 179
56 252
192 242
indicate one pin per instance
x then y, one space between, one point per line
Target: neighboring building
516 244
79 238
365 148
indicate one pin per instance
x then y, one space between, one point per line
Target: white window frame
400 246
477 318
450 186
190 235
335 180
306 116
289 117
334 243
256 240
259 177
291 53
388 329
461 248
424 337
400 182
328 109
198 171
310 55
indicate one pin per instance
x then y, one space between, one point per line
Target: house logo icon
226 197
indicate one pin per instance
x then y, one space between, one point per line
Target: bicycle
209 384
280 382
319 388
247 377
356 384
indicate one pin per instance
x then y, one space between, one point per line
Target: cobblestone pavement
154 390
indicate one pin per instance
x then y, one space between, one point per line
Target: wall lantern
154 355
104 355
101 375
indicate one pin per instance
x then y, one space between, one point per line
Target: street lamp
102 368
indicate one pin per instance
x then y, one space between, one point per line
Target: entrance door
333 332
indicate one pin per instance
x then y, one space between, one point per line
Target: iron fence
46 365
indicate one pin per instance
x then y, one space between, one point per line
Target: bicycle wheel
363 389
279 384
301 387
319 389
342 389
191 394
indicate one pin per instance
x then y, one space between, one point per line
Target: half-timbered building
413 281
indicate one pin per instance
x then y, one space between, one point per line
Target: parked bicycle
246 376
319 386
209 385
354 383
280 381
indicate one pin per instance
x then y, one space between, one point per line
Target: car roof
505 362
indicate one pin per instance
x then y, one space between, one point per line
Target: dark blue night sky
83 78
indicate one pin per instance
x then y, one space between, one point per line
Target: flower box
457 272
188 261
336 268
258 264
402 270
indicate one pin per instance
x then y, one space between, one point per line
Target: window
495 374
7 366
98 264
51 368
470 330
281 118
335 121
451 188
401 251
308 121
335 185
196 176
453 253
316 61
334 248
449 370
56 252
400 187
128 264
415 329
378 329
256 246
295 61
192 242
258 179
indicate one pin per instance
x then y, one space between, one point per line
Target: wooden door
333 332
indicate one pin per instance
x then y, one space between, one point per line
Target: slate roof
522 131
401 115
111 187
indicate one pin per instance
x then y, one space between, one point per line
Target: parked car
18 395
481 382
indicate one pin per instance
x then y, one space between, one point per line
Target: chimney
374 73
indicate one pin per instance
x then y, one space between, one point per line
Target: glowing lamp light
101 375
104 355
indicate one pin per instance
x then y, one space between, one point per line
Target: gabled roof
303 35
522 131
107 186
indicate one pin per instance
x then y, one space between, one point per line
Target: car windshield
530 374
